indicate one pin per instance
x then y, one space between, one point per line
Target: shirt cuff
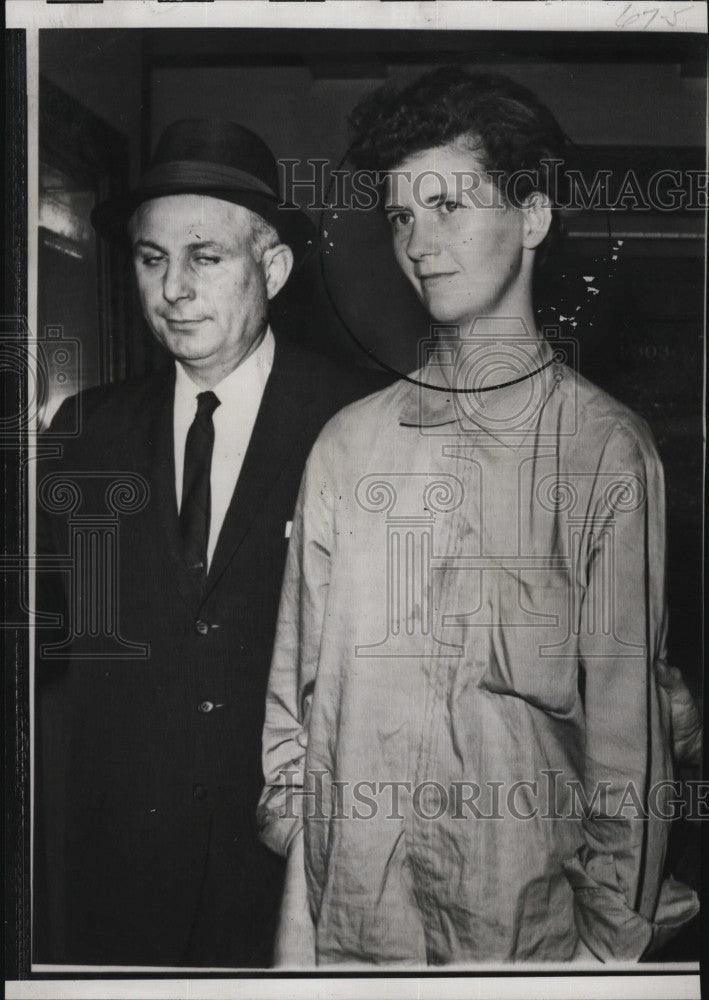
605 922
685 718
278 828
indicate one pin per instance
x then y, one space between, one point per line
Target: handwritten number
674 15
629 20
630 15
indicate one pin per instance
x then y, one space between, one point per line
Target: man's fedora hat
216 158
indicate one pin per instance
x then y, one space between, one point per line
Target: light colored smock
474 599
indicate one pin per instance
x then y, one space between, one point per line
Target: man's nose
423 237
177 283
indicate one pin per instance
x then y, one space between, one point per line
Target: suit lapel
279 427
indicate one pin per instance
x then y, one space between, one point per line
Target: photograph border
24 20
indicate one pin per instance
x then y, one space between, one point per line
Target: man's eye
204 258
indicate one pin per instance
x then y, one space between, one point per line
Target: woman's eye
448 207
151 261
399 219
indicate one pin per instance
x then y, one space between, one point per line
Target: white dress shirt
239 395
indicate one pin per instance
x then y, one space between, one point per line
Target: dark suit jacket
148 760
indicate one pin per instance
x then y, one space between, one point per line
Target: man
473 619
150 710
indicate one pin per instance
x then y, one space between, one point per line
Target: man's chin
185 347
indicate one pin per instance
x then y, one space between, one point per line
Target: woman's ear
537 219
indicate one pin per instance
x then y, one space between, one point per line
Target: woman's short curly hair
504 124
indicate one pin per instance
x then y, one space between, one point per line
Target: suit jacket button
206 706
199 792
201 627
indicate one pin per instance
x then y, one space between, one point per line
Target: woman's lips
432 278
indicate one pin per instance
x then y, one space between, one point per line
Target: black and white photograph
354 377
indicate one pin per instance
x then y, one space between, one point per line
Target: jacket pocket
531 650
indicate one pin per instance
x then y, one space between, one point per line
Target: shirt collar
249 377
433 407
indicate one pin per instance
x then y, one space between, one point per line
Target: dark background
628 101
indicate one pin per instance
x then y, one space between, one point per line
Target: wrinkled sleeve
622 907
295 657
684 716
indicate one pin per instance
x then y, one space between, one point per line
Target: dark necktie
196 494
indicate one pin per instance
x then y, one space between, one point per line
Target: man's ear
537 219
277 265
